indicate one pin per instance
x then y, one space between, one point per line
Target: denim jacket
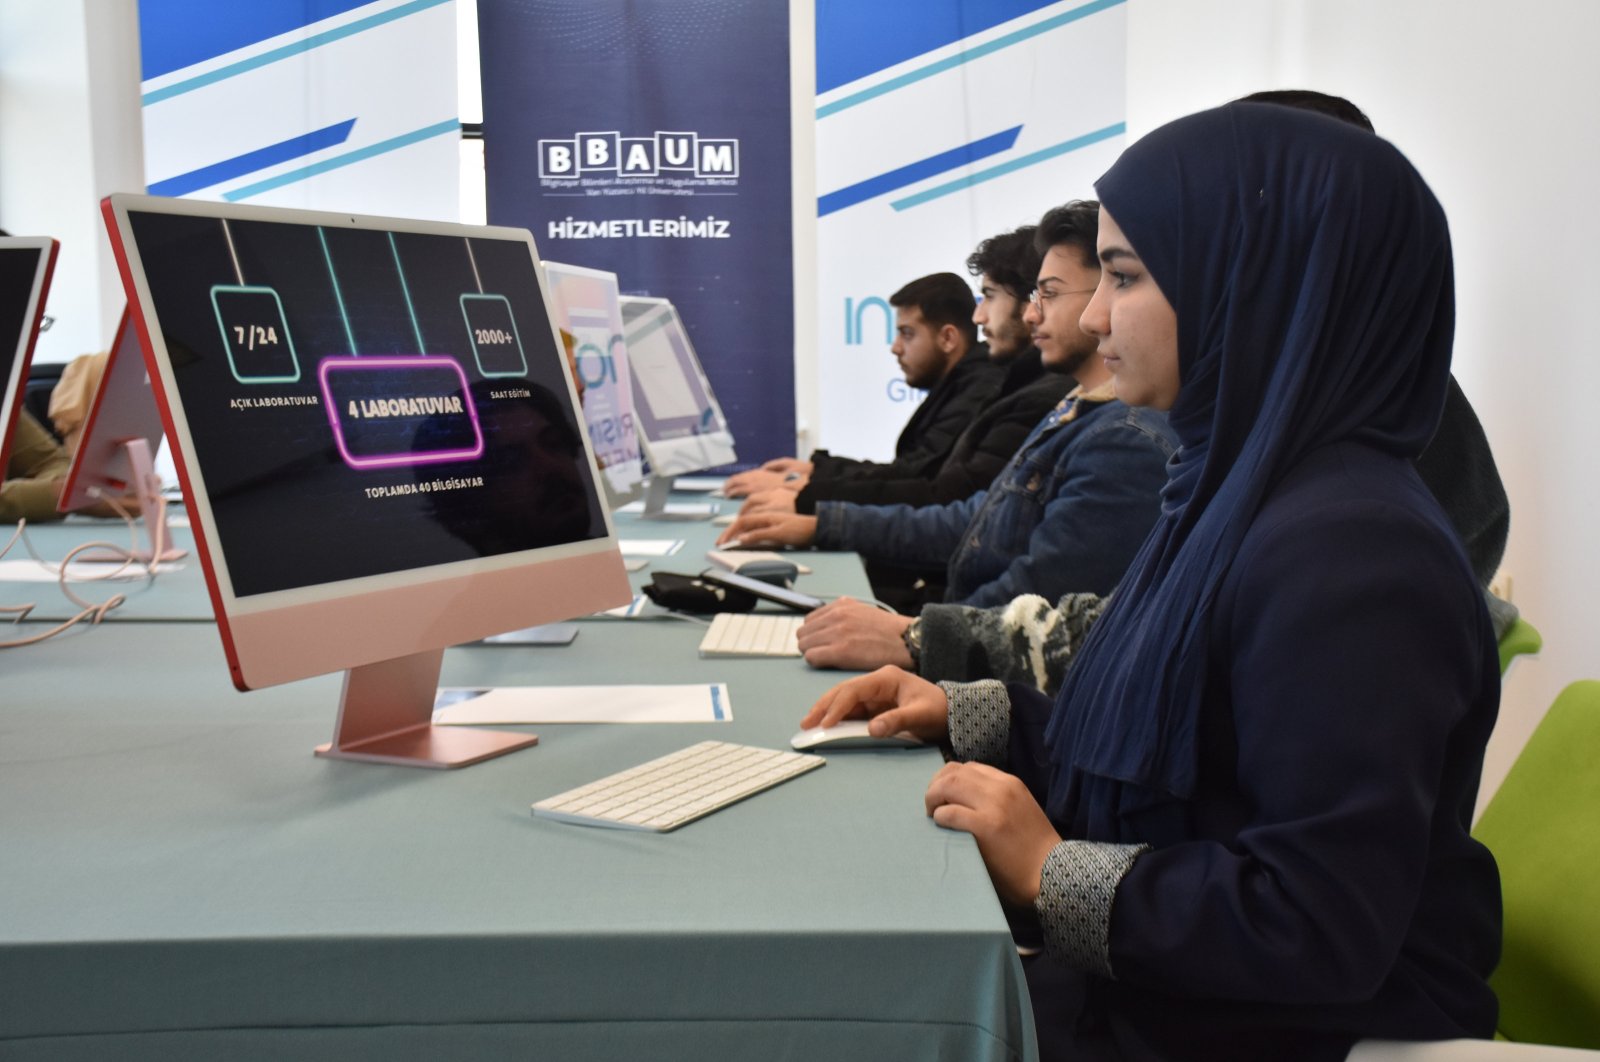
1067 514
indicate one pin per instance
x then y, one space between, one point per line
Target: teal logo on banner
635 139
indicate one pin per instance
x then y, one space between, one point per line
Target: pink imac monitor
115 455
26 263
379 447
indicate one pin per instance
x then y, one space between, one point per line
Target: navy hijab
1309 267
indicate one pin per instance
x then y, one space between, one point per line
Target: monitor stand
146 487
656 508
386 716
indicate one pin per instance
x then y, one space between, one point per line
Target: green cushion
1543 827
1520 639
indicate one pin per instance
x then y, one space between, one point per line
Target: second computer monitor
588 311
26 263
680 423
115 456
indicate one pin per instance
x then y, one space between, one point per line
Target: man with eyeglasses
1066 514
1006 266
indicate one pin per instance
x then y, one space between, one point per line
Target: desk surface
183 879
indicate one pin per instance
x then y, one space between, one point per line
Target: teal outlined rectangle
227 341
473 328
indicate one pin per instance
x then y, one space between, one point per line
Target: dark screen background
289 511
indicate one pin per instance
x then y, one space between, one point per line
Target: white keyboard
748 634
665 793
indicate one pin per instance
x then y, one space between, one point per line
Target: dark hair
1009 259
1076 223
1312 100
943 298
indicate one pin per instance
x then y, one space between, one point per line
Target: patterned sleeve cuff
979 719
1076 889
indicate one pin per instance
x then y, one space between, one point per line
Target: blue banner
651 139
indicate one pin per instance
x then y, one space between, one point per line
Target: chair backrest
1543 827
1519 640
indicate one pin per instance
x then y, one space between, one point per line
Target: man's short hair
1312 100
943 298
1009 259
1076 223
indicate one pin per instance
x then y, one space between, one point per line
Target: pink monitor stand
386 716
145 485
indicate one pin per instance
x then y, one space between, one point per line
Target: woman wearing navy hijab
1243 825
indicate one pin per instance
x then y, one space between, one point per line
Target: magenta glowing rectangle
392 412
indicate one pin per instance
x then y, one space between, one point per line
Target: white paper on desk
649 547
697 484
697 703
631 610
31 571
676 508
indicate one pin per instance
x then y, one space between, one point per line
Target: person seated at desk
1243 825
1069 510
1030 640
1006 266
34 473
936 343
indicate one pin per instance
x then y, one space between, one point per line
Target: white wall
70 134
1498 108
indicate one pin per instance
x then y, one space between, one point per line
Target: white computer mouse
848 734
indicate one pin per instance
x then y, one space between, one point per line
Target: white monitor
379 448
587 309
26 264
680 423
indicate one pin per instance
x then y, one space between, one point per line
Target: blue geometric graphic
259 159
916 171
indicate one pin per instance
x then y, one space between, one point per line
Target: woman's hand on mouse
1013 833
893 701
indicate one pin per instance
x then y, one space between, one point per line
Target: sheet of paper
697 509
633 608
697 484
635 564
649 547
697 703
31 571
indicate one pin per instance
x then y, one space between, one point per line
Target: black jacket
1026 394
933 429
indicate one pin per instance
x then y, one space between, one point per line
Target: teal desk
182 879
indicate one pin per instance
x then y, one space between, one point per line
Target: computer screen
376 435
587 309
26 264
679 420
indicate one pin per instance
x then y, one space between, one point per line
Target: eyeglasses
1040 298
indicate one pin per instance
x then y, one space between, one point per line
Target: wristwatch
912 636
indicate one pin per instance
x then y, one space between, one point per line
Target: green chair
1543 827
1520 639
